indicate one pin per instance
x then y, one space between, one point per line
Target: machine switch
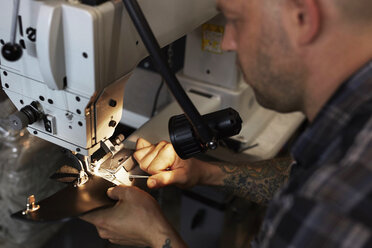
49 124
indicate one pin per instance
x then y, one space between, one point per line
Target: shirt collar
333 117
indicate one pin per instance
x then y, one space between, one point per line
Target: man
308 55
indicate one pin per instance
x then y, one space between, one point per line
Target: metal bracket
31 205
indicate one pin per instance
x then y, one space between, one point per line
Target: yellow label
212 38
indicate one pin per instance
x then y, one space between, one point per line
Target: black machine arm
201 134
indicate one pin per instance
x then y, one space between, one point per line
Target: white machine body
77 59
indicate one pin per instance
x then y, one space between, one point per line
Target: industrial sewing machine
65 64
76 57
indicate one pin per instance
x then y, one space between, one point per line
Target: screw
112 103
112 123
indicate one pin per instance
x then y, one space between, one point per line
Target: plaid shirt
328 200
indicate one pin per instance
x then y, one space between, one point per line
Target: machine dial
26 116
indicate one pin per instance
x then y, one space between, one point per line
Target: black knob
26 116
18 121
12 51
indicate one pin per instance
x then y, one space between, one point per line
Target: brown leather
72 202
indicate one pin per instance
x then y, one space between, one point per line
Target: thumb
167 178
115 193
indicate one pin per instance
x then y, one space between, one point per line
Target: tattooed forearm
257 182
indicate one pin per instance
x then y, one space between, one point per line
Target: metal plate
71 202
121 159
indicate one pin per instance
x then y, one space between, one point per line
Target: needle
137 176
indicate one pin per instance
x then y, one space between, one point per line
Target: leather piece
71 202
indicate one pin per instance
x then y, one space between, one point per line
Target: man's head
254 30
286 48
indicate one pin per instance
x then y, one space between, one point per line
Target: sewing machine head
68 83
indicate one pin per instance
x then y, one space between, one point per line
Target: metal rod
137 176
202 131
13 31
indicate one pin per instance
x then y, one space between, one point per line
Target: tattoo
257 182
167 244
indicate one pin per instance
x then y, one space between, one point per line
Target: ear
304 20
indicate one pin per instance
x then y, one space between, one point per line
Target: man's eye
231 21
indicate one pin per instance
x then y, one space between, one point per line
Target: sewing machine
76 59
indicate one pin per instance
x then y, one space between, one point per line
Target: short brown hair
356 10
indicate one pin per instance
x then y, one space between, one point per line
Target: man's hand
167 168
136 219
256 181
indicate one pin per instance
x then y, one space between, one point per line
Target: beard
276 77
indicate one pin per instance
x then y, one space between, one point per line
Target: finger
113 195
116 241
142 143
141 153
103 233
90 217
117 193
124 193
164 160
97 217
147 160
167 178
